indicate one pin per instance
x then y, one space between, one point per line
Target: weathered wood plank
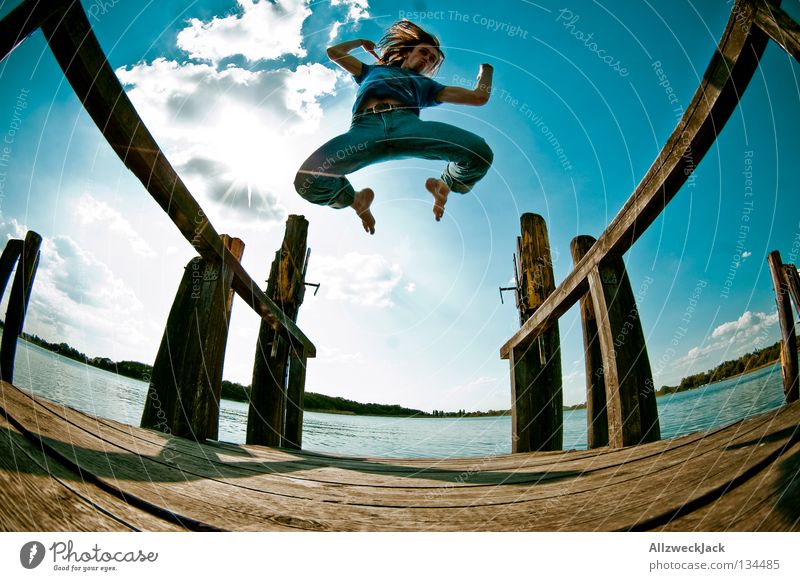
444 495
769 501
266 419
610 499
295 394
8 259
186 382
779 26
23 20
727 76
630 394
596 414
793 283
33 500
132 517
537 401
789 369
18 303
86 68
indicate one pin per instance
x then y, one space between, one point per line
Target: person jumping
386 123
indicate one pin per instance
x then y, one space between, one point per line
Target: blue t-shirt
409 87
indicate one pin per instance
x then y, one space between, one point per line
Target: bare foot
361 204
440 190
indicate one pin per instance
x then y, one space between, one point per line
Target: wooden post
183 398
8 259
295 393
792 281
596 417
788 337
630 393
537 400
18 300
267 421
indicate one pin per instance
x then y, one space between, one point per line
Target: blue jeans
394 134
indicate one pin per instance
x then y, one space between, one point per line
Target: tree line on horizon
316 402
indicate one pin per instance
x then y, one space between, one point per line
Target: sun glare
242 144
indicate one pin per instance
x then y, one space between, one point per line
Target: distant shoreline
320 403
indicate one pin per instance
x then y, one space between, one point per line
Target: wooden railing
191 398
75 47
752 23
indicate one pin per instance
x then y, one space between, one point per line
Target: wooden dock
64 470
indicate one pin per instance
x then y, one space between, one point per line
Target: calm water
105 394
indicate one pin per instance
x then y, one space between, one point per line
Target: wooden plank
728 74
617 499
8 259
186 382
23 20
630 394
132 517
537 400
295 393
779 26
33 500
789 369
793 284
614 399
443 493
596 414
85 66
769 501
161 484
18 303
266 419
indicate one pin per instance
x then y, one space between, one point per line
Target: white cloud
356 11
79 300
411 287
90 210
362 279
235 136
748 332
746 254
747 325
261 31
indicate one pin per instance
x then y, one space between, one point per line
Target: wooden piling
537 400
8 259
267 422
185 387
596 417
792 281
630 394
27 263
788 337
295 393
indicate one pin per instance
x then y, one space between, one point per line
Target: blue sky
240 93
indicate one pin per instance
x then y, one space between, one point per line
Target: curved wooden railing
184 391
751 25
75 47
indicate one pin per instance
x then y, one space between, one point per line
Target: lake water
108 395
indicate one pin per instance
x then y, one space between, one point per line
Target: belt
382 108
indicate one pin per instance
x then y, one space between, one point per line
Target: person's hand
369 46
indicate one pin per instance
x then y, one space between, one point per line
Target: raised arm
477 96
340 54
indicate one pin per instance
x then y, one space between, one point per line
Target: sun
243 145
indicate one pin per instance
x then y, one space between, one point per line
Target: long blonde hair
400 38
